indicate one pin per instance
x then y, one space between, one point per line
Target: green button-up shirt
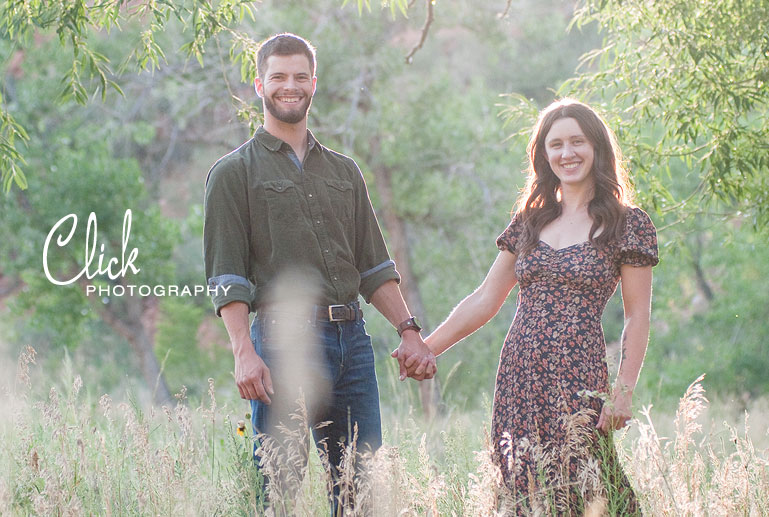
265 213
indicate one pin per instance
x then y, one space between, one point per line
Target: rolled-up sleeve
373 278
371 255
226 229
225 289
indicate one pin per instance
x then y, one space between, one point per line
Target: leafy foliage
77 171
89 72
687 79
709 315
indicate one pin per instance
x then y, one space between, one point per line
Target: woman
573 237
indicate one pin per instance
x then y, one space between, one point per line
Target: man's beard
292 116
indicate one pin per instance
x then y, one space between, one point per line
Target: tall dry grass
687 475
65 453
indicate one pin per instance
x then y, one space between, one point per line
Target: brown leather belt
348 312
333 313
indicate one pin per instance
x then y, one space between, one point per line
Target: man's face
287 87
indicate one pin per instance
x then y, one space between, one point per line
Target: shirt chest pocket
341 198
281 198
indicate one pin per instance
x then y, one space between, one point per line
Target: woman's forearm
635 337
477 308
467 317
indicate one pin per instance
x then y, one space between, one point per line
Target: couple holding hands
290 228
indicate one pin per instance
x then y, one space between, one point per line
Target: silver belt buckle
331 312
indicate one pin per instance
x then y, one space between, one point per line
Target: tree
78 170
93 177
76 24
686 80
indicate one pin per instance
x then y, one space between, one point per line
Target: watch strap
410 323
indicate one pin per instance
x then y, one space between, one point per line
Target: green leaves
150 52
10 158
393 5
88 67
696 71
73 21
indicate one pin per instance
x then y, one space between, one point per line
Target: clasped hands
414 357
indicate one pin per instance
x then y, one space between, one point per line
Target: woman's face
569 153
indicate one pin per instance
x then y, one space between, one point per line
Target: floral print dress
553 362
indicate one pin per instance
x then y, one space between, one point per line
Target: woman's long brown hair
539 202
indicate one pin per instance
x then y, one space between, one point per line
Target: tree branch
504 13
425 29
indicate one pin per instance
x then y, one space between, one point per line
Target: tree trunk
702 280
429 390
9 286
134 318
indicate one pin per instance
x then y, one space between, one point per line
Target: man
283 204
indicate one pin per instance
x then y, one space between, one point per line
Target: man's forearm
389 301
414 358
235 317
252 376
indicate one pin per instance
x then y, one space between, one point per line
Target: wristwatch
410 323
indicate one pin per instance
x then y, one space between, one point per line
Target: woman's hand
616 412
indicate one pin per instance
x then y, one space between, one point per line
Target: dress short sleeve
638 246
508 240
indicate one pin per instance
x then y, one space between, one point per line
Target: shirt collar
274 143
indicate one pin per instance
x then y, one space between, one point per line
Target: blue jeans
342 363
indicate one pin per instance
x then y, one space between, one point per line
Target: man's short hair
285 44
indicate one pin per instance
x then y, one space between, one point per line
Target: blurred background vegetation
441 142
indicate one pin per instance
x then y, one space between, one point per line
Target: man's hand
251 374
253 377
414 357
